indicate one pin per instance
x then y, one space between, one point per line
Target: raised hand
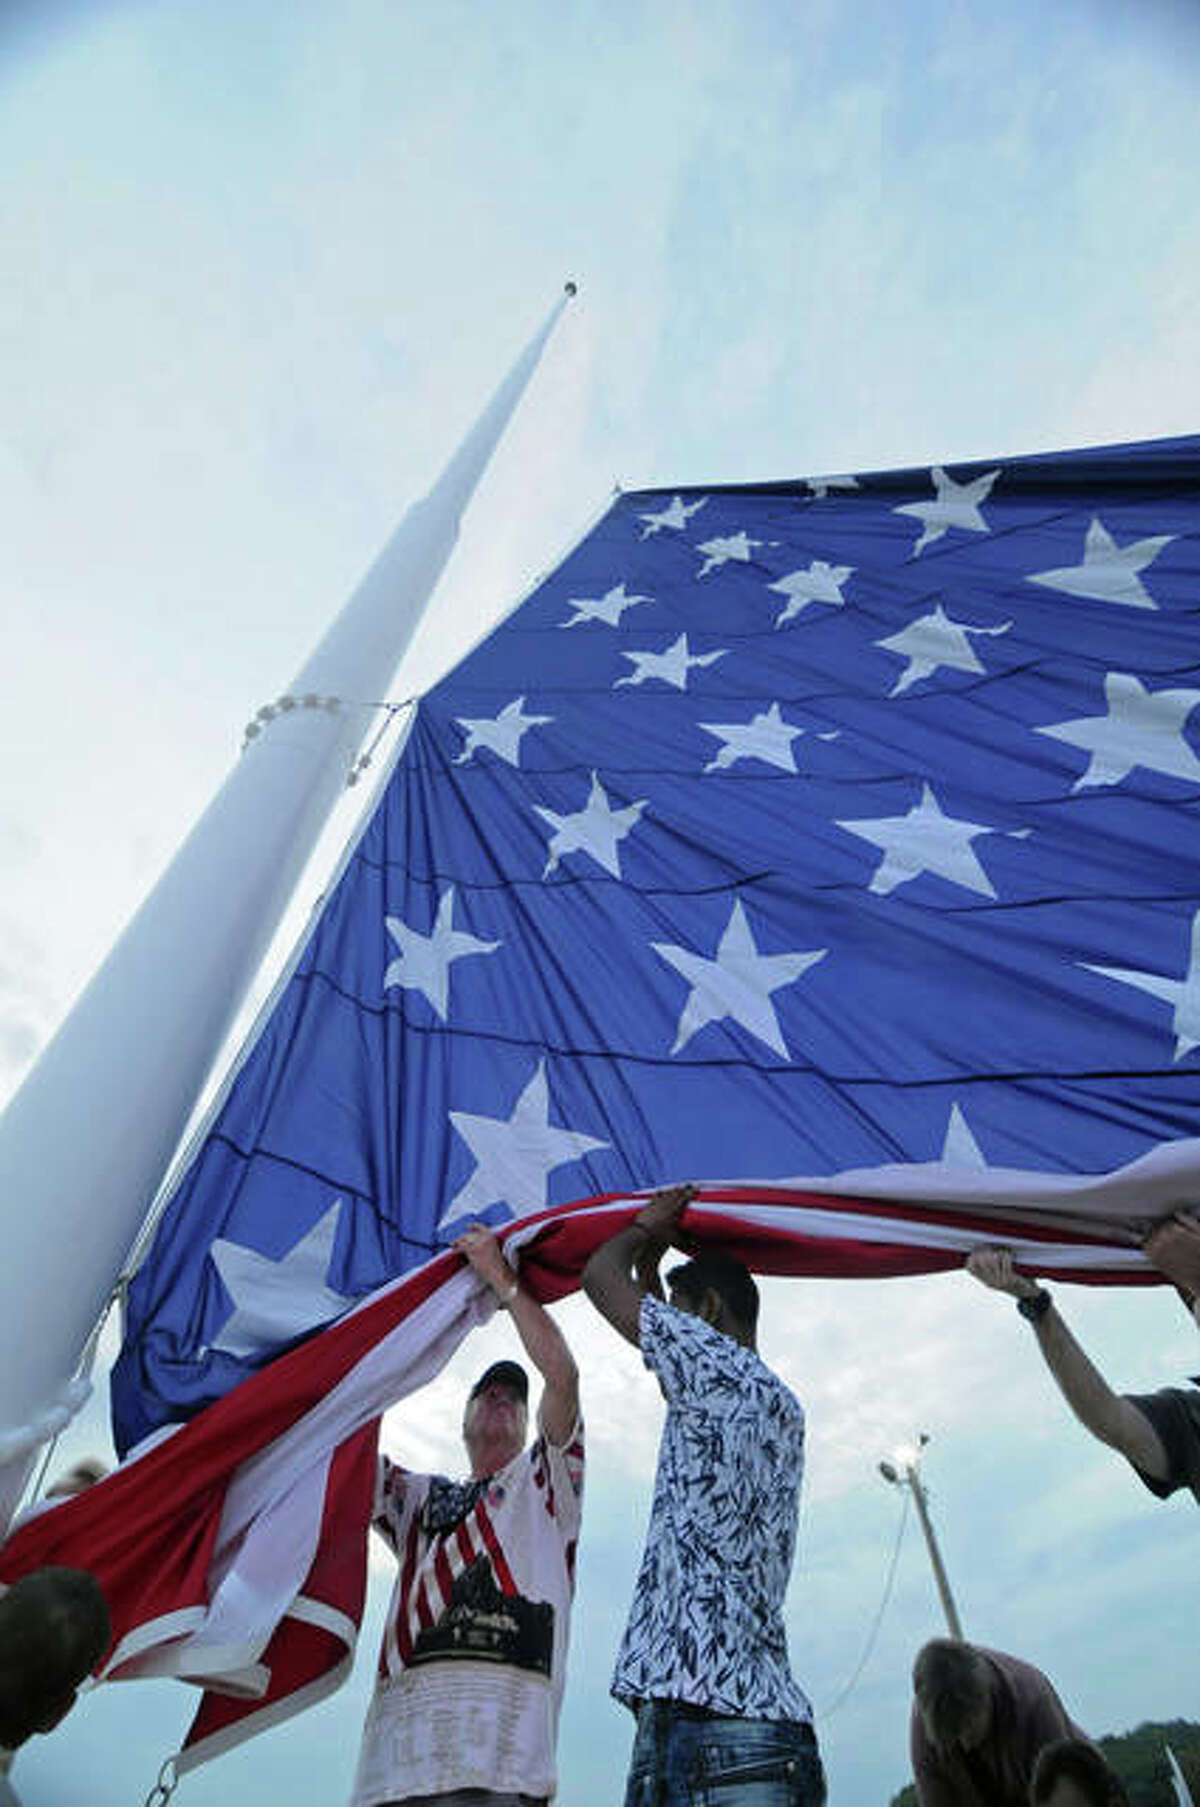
1174 1248
662 1211
993 1266
485 1255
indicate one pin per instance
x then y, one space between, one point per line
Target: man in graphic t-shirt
703 1663
465 1709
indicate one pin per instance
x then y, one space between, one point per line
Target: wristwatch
1035 1305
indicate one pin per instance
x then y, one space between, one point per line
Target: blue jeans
685 1759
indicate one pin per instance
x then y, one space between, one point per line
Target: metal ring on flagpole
165 1787
284 705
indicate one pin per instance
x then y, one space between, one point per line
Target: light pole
904 1471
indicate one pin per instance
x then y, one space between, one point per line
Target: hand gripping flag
816 829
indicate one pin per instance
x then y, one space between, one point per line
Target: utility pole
904 1471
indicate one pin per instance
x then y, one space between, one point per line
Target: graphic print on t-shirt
484 1625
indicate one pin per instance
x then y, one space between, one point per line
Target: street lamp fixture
904 1470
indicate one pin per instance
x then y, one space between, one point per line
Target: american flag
232 1550
781 830
830 843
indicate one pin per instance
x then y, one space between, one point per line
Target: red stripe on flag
301 1655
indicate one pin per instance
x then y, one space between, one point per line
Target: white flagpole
86 1140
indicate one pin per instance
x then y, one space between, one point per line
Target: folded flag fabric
232 1550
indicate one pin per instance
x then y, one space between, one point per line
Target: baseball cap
504 1374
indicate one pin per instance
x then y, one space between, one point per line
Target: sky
264 266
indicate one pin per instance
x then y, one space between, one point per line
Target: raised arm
1098 1408
543 1341
624 1269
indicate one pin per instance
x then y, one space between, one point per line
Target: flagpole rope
840 1699
165 1786
364 759
81 1380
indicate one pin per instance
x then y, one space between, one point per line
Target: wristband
1035 1305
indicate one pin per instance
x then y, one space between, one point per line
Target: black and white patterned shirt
706 1624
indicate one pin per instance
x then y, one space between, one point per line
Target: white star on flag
718 552
500 734
671 666
960 1149
765 736
820 583
424 961
676 515
1142 728
516 1155
597 830
277 1299
607 608
737 984
1109 573
955 505
821 486
932 641
924 840
1183 994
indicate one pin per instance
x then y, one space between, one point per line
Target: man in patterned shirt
465 1710
703 1663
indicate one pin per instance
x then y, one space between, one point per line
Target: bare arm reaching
543 1341
624 1269
1098 1408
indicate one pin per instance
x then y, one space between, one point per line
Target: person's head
496 1417
77 1479
952 1688
721 1290
1072 1773
54 1628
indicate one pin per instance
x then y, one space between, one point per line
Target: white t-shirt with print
474 1653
